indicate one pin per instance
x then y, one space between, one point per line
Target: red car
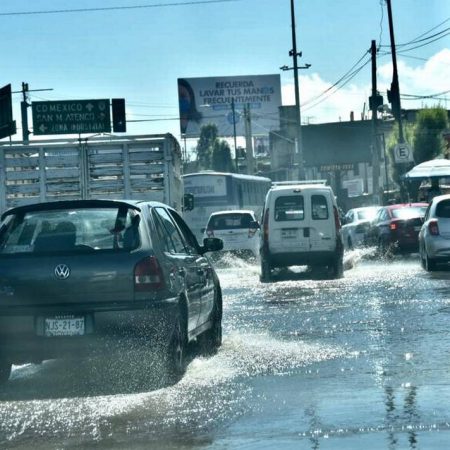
396 227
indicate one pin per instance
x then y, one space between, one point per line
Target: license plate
288 234
64 326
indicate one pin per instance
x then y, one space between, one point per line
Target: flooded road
361 362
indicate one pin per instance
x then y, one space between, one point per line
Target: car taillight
337 222
148 275
266 226
209 232
433 227
251 232
393 226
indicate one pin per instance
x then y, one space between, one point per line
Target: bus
218 191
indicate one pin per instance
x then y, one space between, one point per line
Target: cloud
430 77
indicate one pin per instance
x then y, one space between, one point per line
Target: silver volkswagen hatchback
84 277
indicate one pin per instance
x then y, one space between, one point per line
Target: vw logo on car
62 271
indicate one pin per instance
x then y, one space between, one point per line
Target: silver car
434 236
356 224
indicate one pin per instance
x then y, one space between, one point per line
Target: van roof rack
290 183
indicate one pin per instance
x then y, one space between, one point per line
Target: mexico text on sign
71 117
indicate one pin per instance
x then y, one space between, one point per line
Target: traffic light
118 115
7 124
393 96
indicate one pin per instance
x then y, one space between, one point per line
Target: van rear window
289 208
319 207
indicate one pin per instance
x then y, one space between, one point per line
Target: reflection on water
305 363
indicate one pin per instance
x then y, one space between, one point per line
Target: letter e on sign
403 153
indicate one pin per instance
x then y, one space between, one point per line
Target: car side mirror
212 245
188 202
254 224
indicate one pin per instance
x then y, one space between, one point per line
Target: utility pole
374 103
248 140
233 110
298 156
394 93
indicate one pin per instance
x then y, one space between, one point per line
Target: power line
113 8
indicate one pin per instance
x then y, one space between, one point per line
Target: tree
221 157
428 140
205 145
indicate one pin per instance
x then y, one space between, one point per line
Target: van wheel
337 268
5 371
266 271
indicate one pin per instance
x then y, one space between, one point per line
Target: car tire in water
175 358
337 267
5 371
210 340
266 272
429 264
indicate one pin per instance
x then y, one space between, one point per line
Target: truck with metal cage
146 167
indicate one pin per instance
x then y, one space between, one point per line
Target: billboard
221 100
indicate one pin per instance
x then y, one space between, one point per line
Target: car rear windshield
367 214
230 221
289 208
409 212
443 209
77 230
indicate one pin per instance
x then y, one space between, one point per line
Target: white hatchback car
434 236
238 229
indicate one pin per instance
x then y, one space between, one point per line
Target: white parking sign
403 153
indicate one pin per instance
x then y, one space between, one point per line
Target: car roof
66 204
233 211
405 205
300 187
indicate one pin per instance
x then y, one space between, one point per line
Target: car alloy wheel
176 354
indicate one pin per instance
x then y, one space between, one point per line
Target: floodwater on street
306 363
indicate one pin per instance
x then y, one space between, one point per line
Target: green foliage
212 152
428 140
205 145
221 157
424 136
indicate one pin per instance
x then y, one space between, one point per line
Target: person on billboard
188 108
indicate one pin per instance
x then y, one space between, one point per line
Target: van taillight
251 232
433 227
337 222
148 275
209 232
266 226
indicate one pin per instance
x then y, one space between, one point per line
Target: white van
300 226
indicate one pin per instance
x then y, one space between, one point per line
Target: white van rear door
322 225
289 224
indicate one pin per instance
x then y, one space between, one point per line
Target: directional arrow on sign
89 107
42 128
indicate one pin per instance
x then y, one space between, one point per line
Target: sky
137 49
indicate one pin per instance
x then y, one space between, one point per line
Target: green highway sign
71 117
